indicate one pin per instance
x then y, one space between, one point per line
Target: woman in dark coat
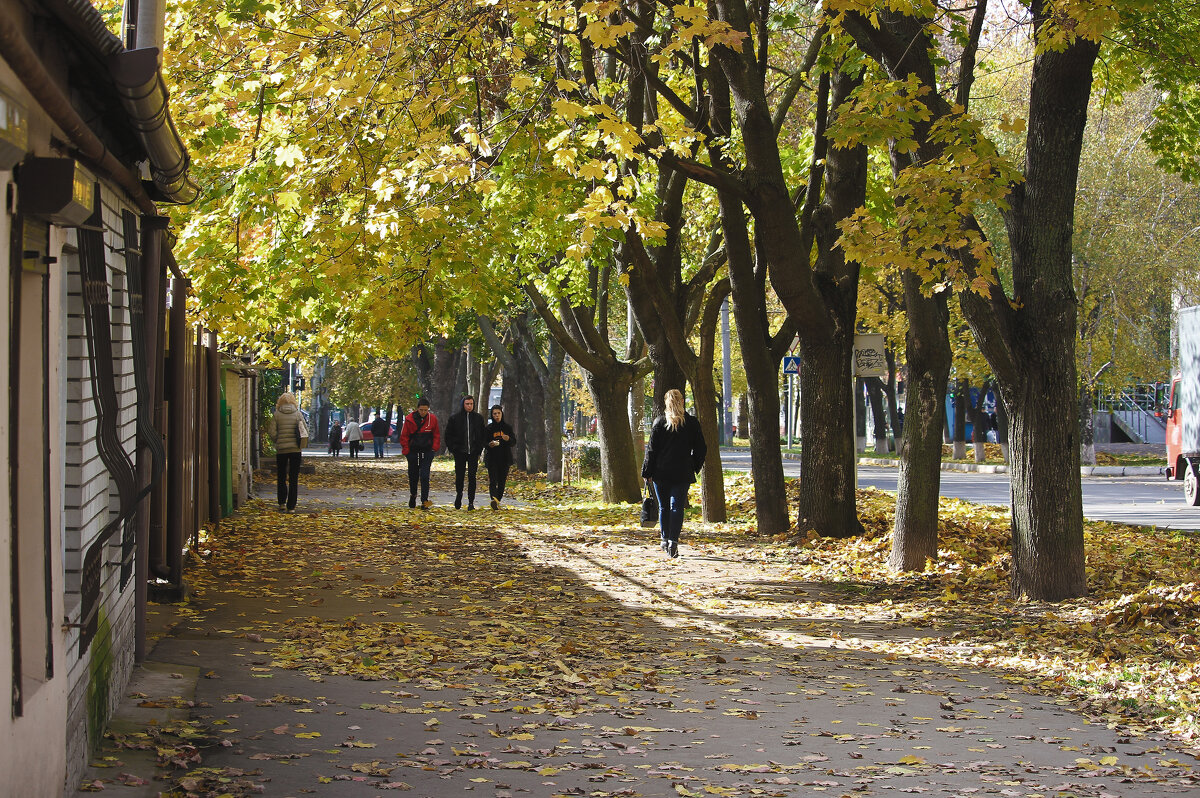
674 456
497 454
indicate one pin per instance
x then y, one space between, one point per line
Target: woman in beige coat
286 429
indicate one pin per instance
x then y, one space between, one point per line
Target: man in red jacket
420 438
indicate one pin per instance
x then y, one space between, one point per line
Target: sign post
791 367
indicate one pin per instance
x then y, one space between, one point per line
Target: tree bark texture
827 458
1031 346
620 482
915 539
712 477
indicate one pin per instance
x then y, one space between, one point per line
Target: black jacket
501 454
674 456
380 427
464 433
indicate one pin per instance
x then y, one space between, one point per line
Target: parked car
370 436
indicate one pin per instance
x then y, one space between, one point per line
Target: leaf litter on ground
412 596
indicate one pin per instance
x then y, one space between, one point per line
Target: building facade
124 430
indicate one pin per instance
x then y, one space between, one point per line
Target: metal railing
1137 408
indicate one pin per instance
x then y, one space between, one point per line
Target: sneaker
666 545
412 501
495 503
471 506
673 548
283 508
425 505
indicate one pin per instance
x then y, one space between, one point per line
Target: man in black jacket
380 428
464 440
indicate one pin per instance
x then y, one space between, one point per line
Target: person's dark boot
458 502
412 500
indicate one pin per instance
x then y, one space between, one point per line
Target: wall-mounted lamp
56 190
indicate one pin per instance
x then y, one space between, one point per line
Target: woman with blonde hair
289 434
674 456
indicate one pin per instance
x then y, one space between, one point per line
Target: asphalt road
1146 500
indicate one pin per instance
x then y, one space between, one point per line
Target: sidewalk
352 651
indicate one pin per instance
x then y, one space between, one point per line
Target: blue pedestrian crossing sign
791 365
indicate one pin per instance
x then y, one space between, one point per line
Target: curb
1084 471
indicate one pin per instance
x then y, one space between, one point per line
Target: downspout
149 469
215 426
177 468
151 19
158 494
29 70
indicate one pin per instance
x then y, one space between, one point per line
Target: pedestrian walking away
464 440
335 439
354 437
420 438
380 428
497 457
289 434
674 456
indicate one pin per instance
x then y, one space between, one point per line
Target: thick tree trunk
1047 506
712 479
827 429
827 462
620 480
1032 347
552 410
637 420
531 435
762 374
915 540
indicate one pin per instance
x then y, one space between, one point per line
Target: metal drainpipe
29 70
215 423
158 494
152 307
151 21
177 443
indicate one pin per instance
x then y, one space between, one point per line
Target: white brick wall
90 495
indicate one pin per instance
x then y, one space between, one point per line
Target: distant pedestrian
420 438
464 440
380 428
289 434
354 437
335 439
497 457
674 456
